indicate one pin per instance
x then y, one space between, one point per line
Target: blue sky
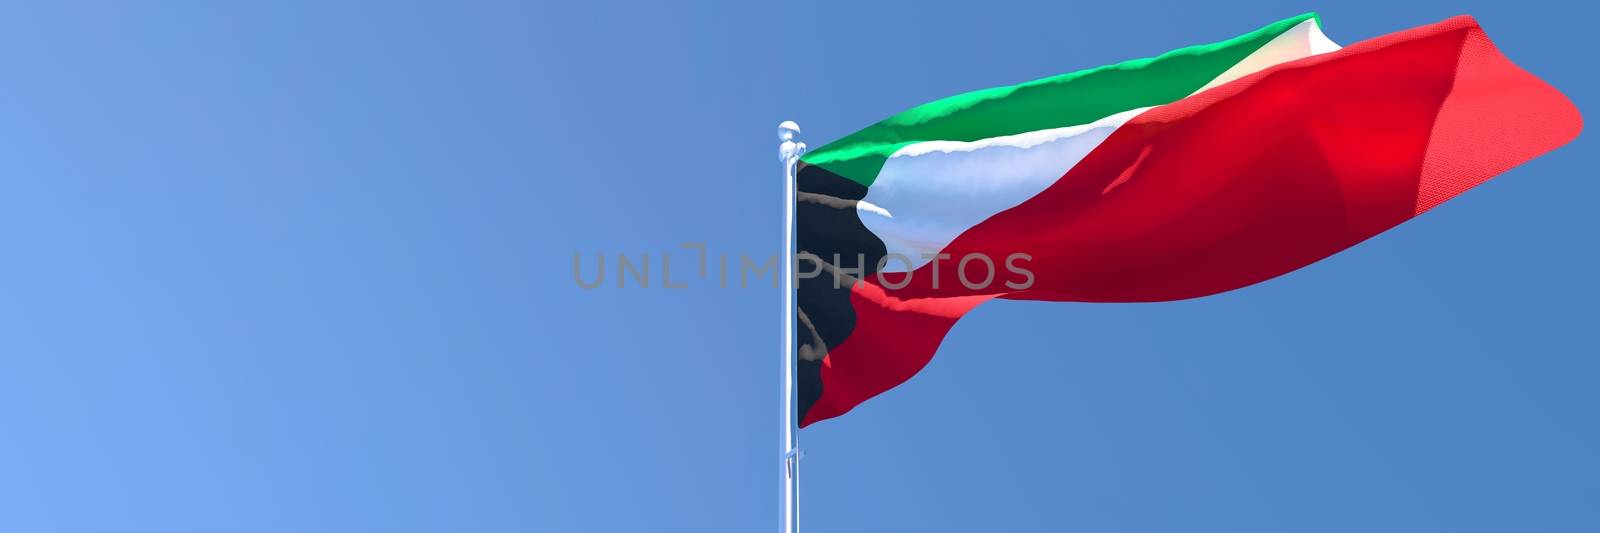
306 266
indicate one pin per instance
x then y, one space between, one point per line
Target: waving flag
1199 171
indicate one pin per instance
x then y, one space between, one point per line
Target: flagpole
789 151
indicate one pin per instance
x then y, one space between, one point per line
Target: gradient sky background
306 266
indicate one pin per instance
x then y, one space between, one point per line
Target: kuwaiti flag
1203 170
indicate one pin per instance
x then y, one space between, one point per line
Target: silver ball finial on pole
789 149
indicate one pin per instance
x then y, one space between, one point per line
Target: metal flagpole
789 150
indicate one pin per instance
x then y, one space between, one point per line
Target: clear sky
307 266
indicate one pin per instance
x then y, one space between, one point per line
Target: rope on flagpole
789 151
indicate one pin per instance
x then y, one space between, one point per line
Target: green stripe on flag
1058 101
